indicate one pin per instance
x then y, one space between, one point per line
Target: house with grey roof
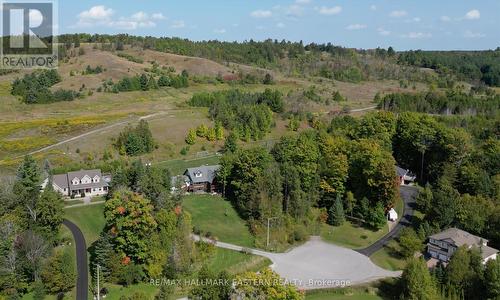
441 246
405 176
80 183
202 179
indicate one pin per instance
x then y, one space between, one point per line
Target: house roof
104 180
61 180
205 173
459 237
400 171
487 251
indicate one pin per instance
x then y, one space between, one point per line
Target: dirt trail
93 132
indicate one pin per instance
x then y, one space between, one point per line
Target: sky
403 24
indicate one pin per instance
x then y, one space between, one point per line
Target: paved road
408 194
317 264
82 282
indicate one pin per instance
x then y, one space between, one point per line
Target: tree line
33 254
478 66
34 88
452 101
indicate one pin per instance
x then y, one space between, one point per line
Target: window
198 174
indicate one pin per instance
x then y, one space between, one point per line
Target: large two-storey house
201 179
441 246
80 183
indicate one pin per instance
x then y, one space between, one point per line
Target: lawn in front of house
388 257
90 220
352 235
217 216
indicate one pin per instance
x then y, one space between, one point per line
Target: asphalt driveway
408 194
82 282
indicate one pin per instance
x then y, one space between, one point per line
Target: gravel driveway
317 264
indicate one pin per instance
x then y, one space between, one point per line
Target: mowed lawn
352 235
90 220
215 215
389 258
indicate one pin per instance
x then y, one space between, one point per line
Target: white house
392 215
80 183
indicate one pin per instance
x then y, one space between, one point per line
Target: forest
475 66
450 102
249 116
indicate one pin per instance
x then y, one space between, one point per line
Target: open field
351 235
215 215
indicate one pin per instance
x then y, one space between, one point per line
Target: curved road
408 194
82 282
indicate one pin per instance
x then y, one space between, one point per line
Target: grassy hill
26 128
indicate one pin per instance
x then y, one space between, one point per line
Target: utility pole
98 289
268 220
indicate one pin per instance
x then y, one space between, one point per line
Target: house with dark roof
404 176
202 179
441 246
80 183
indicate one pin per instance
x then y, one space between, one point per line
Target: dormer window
198 174
95 179
75 181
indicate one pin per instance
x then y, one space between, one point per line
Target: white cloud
445 19
383 32
398 13
417 35
261 14
220 30
99 12
295 10
472 35
302 1
280 25
178 24
373 7
158 16
473 15
139 16
356 27
330 10
103 16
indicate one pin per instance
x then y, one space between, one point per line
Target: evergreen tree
219 131
417 281
231 143
336 212
27 186
191 137
49 210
